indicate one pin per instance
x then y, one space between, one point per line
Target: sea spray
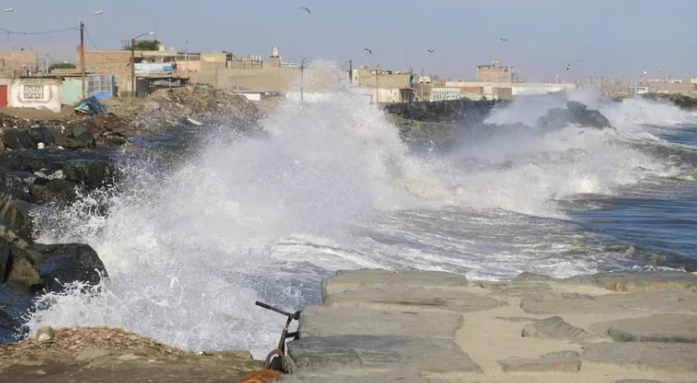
329 186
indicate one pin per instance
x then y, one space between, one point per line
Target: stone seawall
421 326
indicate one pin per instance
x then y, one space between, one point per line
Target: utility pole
302 79
377 89
351 71
82 58
133 67
186 58
421 85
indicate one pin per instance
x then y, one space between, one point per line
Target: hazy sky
615 37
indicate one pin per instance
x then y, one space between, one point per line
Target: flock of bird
503 39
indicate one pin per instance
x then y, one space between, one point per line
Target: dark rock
59 191
91 172
15 184
682 101
576 107
80 136
16 139
576 113
42 134
18 214
463 111
21 261
63 263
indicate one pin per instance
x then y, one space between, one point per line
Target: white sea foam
188 252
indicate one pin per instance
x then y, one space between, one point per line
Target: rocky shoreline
49 163
422 322
423 326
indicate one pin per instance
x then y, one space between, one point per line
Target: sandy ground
39 114
112 355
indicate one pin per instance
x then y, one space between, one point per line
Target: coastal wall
36 93
467 111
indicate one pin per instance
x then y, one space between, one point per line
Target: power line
9 32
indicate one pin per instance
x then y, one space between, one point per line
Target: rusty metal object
285 364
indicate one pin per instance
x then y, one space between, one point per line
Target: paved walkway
412 326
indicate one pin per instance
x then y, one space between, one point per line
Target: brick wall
17 60
494 73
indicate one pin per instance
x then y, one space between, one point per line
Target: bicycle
278 359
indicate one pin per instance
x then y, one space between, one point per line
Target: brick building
495 73
12 63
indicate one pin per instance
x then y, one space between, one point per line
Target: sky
596 37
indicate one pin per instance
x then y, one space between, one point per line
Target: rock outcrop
680 100
575 113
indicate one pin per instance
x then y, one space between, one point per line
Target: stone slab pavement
413 326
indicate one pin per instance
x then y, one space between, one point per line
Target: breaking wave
331 185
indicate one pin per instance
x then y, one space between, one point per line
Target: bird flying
306 9
431 51
368 50
502 39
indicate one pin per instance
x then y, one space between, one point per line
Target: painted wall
383 95
36 93
72 91
446 94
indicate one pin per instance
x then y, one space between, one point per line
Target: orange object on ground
261 376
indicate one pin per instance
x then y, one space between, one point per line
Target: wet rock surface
48 162
389 325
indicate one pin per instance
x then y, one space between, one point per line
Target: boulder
45 190
19 262
92 172
575 113
62 263
42 134
17 139
80 136
18 214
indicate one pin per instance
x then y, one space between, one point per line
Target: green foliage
144 45
61 66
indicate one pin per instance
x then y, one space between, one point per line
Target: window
33 92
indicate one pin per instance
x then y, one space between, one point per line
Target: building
16 63
495 73
685 88
32 92
218 69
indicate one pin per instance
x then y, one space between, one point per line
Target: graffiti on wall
445 94
153 68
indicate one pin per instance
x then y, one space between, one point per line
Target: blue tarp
90 105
